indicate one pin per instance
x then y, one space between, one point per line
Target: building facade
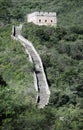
43 18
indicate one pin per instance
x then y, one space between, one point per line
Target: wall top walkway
43 89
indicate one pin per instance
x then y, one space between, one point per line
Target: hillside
69 12
61 50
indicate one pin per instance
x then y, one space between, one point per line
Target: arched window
45 20
39 20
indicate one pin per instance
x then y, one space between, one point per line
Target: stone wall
40 81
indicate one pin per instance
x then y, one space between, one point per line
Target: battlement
49 14
42 18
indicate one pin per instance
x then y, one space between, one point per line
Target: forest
61 51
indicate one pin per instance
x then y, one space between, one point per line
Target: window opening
39 20
45 20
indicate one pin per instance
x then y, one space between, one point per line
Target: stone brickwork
40 81
42 18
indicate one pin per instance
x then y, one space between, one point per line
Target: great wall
40 82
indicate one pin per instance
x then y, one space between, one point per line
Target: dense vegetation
61 50
16 79
69 12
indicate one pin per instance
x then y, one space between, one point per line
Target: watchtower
42 18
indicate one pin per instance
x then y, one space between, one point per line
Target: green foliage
2 82
5 10
61 50
69 12
16 80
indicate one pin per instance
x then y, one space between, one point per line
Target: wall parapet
49 14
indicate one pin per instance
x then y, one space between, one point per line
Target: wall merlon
42 14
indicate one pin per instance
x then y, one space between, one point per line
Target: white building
42 18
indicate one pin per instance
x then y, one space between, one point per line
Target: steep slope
15 67
61 50
41 82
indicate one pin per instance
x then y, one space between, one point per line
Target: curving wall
40 81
